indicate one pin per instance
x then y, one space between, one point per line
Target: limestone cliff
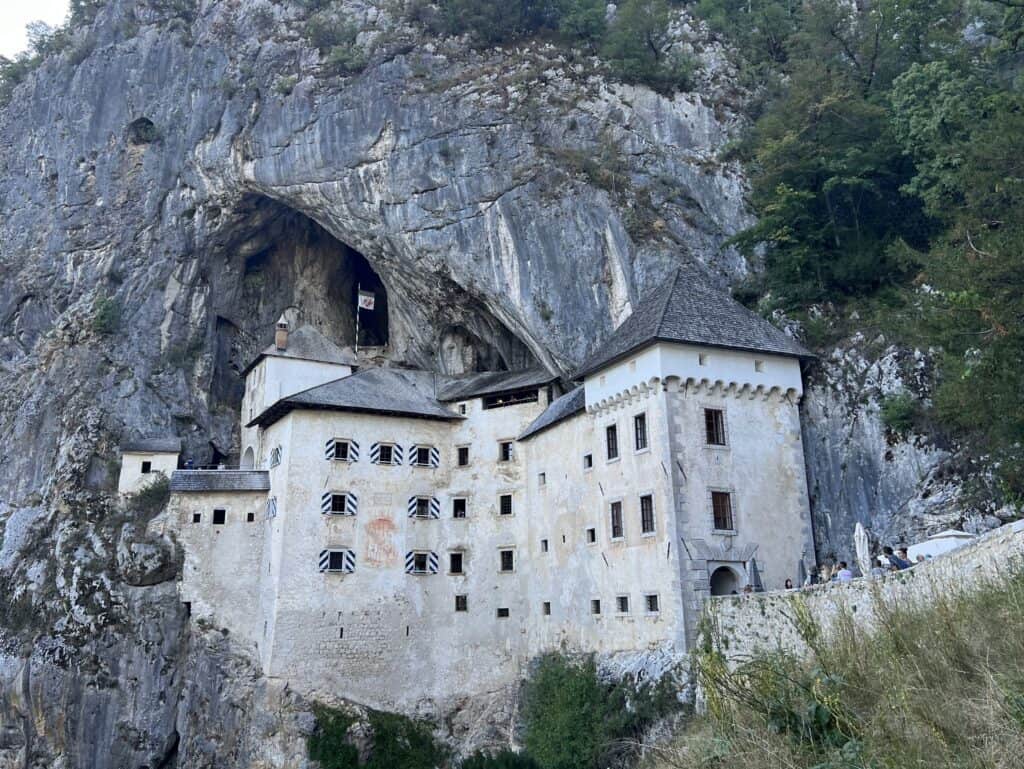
186 174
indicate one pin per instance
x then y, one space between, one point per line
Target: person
895 562
905 557
844 574
748 590
789 584
920 558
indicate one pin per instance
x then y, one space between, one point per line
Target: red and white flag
366 299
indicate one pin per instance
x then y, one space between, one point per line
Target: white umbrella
860 543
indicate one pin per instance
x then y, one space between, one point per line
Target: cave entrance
370 300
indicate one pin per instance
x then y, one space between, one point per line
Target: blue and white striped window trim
433 507
327 500
431 562
433 455
331 451
396 453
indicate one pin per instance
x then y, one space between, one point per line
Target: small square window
759 365
423 456
341 450
422 507
591 535
546 608
508 560
419 563
459 507
542 479
505 451
250 517
595 606
543 545
336 560
147 467
622 604
505 504
588 461
197 517
502 613
338 503
651 603
220 515
387 455
455 563
463 456
462 603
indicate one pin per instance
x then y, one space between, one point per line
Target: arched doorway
248 459
724 581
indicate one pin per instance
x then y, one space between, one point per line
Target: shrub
285 84
151 498
397 743
504 759
106 315
900 412
328 745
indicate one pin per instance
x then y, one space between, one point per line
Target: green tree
635 47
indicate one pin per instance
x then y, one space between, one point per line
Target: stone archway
248 459
724 581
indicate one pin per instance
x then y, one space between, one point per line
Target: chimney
281 334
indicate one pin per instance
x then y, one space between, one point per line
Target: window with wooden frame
714 427
646 514
640 432
505 453
616 520
721 510
386 454
611 436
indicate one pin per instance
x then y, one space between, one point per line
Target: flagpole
359 289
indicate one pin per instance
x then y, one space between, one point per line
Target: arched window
248 459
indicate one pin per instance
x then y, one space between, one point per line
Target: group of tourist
890 560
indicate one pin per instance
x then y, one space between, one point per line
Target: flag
366 299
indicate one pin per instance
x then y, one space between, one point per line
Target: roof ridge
668 298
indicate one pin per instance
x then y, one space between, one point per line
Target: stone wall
763 622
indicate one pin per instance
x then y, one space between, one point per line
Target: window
250 517
640 431
508 560
419 563
197 517
505 504
423 456
510 399
759 365
505 451
502 613
338 560
543 545
422 507
714 426
588 461
622 604
386 454
542 479
463 456
462 603
147 467
338 503
219 516
275 456
721 508
595 606
546 608
651 603
340 451
591 535
702 359
616 516
455 563
647 514
462 409
612 441
459 507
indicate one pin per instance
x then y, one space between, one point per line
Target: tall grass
938 687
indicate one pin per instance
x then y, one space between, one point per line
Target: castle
404 538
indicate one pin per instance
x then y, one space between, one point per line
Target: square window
220 515
340 450
197 517
595 606
616 520
422 507
147 467
419 563
542 479
455 563
611 435
336 560
505 451
647 514
505 504
588 461
459 507
463 456
423 456
462 603
759 365
502 613
714 427
546 608
387 455
640 431
591 535
338 504
721 508
250 517
508 560
543 545
622 604
651 603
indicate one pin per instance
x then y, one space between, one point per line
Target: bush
900 412
505 759
106 315
152 498
335 38
329 745
397 743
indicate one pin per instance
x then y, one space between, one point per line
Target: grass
939 687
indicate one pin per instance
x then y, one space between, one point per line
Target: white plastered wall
132 479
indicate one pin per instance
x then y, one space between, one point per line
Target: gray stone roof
560 409
401 392
690 308
152 446
306 343
220 480
491 382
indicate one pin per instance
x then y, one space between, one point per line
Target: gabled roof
491 382
220 480
399 392
306 343
152 446
560 409
690 308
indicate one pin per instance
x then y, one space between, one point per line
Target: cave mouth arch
724 581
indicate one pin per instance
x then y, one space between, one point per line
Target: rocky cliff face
185 176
